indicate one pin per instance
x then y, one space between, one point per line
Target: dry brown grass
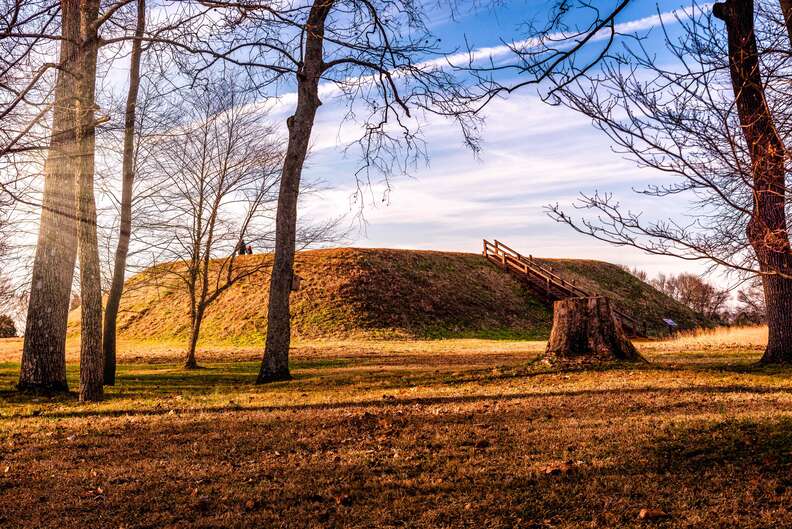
346 292
382 293
410 434
719 345
477 351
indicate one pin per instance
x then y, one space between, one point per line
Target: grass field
453 433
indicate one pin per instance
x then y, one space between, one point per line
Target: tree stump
586 331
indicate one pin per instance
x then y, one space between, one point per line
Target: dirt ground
463 433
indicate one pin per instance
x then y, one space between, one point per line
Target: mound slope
388 293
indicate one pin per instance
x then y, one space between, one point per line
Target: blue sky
533 155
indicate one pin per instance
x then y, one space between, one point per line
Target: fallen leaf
652 514
559 469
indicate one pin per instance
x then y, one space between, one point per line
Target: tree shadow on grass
164 381
739 443
161 381
393 402
723 473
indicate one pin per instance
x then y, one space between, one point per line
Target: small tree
751 309
125 221
217 169
694 292
7 327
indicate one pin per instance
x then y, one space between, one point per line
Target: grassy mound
350 292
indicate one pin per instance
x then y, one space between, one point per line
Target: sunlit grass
721 345
409 433
754 336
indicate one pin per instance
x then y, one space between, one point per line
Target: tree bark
125 228
585 330
786 10
91 373
43 365
275 364
767 230
190 361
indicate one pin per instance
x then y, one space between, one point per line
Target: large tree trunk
778 300
91 373
585 330
275 364
767 229
125 228
44 350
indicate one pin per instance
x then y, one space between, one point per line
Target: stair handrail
537 268
503 250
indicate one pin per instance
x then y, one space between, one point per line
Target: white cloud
535 155
633 26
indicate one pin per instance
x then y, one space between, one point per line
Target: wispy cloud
629 27
461 59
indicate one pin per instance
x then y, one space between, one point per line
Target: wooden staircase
547 284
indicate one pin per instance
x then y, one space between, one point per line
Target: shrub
7 328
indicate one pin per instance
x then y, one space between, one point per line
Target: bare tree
726 145
751 308
91 372
125 224
767 228
275 364
693 291
218 167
